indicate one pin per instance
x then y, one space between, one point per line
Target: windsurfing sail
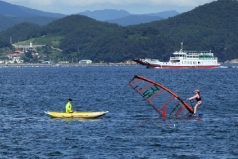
163 100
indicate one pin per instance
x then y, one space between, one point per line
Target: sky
132 6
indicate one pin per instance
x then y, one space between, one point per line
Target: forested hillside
212 26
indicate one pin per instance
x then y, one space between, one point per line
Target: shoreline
65 65
86 65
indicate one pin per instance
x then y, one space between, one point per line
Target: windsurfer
199 100
69 107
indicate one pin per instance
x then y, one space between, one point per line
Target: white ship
184 59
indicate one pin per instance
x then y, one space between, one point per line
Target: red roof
17 51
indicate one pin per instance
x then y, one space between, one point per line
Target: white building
63 62
85 61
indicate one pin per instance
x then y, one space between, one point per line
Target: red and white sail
164 101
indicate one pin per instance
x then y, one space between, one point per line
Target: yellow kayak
84 115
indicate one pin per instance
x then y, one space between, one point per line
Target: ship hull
180 66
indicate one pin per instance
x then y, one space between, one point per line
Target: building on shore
63 62
85 61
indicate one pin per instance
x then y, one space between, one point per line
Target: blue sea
131 129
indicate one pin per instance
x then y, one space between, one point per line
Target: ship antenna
181 46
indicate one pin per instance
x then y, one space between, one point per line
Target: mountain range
124 18
212 26
11 15
11 10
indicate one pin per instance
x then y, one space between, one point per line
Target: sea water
131 129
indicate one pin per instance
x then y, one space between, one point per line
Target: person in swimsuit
199 100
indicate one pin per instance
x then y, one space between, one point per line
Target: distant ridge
125 18
135 19
165 14
8 22
106 14
11 10
11 15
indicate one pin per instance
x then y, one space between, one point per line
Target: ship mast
181 46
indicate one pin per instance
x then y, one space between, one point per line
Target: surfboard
197 115
84 115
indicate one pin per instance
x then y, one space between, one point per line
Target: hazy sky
132 6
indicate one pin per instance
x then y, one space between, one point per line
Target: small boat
84 115
185 59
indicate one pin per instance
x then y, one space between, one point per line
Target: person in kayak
199 101
69 106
